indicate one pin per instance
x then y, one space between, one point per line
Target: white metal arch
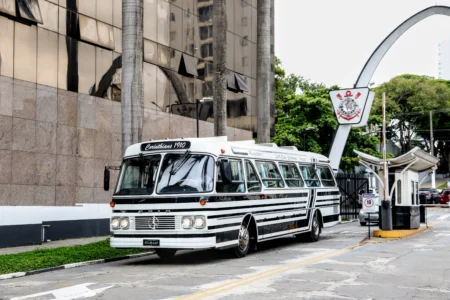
371 65
341 136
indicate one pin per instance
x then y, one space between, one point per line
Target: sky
329 41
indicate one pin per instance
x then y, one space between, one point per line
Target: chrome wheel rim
316 226
243 238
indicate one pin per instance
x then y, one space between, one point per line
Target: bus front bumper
180 242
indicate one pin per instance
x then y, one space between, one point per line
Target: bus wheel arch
320 216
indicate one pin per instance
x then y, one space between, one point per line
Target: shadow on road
199 257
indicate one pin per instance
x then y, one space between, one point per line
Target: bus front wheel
243 245
165 253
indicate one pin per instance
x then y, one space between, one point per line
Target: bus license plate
151 242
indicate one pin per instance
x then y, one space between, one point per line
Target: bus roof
221 146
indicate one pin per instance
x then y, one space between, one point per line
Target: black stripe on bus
226 236
281 218
194 199
284 226
200 235
223 226
332 218
202 208
256 213
328 193
325 200
325 205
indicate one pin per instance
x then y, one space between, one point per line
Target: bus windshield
186 173
139 175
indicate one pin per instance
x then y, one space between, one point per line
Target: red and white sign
369 202
349 104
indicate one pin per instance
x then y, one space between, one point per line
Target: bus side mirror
225 172
106 178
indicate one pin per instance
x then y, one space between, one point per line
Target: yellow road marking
266 274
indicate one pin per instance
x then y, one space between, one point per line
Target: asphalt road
339 266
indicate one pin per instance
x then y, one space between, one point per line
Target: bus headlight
187 222
199 222
124 223
115 223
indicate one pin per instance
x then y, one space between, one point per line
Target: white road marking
444 217
78 291
443 234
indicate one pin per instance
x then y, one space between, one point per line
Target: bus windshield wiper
177 166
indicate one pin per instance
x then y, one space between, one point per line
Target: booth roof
421 160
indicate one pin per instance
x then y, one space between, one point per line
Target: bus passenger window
270 175
253 183
310 176
326 176
291 175
237 185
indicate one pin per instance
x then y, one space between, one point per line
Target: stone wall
54 144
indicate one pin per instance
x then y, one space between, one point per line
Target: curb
399 233
73 265
345 222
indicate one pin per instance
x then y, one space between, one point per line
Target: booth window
237 182
399 192
291 175
253 183
270 175
416 192
412 192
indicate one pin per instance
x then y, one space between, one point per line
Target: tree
409 98
263 70
132 58
313 108
219 67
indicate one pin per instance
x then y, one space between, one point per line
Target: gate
350 186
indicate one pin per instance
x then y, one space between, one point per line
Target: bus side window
237 184
270 175
310 176
326 176
253 183
291 175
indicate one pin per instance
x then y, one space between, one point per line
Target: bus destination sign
165 146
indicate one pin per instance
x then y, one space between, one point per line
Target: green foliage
312 108
46 258
409 98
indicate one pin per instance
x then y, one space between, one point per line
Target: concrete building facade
60 110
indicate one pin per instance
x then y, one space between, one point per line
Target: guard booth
403 184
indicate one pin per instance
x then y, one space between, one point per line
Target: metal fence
350 186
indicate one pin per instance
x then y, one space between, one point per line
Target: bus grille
155 223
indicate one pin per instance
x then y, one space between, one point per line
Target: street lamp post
304 136
197 101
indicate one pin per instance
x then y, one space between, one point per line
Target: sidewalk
52 244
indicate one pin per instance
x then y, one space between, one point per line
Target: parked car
445 196
429 196
364 217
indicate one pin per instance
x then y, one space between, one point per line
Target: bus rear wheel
165 253
243 245
314 234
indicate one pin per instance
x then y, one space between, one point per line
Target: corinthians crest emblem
348 109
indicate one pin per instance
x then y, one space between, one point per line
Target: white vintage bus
205 193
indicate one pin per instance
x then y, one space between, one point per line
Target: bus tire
314 234
243 245
165 253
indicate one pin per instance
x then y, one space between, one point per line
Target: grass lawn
46 258
443 186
